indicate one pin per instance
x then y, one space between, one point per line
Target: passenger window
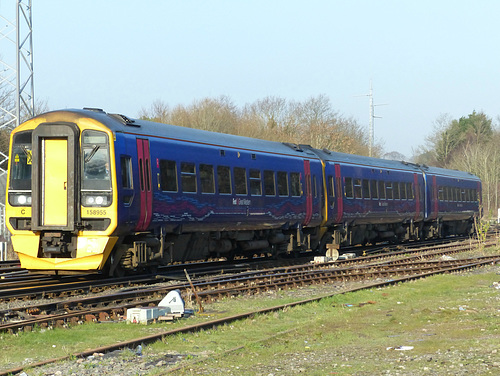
381 190
402 190
395 191
409 191
224 180
168 176
207 178
366 188
188 177
240 181
388 190
295 184
331 187
282 183
348 188
255 183
126 168
373 189
269 183
441 193
357 188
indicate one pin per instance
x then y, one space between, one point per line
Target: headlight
20 199
96 199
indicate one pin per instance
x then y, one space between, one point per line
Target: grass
450 320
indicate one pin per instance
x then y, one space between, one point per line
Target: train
90 191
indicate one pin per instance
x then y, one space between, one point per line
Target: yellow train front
61 200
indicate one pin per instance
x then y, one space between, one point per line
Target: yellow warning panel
55 180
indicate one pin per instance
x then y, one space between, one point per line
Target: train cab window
349 191
255 183
168 176
188 177
240 181
282 183
269 183
381 189
366 188
207 178
395 191
388 190
126 170
374 189
295 184
95 154
20 172
224 180
357 188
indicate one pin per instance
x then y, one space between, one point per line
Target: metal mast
371 134
17 97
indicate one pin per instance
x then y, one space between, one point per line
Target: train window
188 177
409 191
449 194
395 191
331 187
357 188
374 189
282 183
224 180
366 188
388 190
381 190
349 191
168 176
402 191
255 183
240 181
126 170
295 184
95 154
315 186
20 169
207 178
269 183
463 197
441 193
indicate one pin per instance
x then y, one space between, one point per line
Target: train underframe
148 251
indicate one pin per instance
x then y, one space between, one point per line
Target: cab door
54 174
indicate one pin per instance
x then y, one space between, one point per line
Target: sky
424 58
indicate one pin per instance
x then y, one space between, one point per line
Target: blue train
91 191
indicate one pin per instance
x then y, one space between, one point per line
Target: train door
55 205
146 194
339 194
416 196
308 192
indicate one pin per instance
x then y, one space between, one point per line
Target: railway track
410 270
113 306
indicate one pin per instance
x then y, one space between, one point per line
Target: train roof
121 123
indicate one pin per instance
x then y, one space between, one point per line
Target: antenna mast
17 96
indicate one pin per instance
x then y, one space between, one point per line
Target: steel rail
223 321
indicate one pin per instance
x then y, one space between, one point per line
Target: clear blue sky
425 58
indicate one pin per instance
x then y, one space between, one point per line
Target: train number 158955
95 212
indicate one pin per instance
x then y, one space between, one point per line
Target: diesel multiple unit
91 191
